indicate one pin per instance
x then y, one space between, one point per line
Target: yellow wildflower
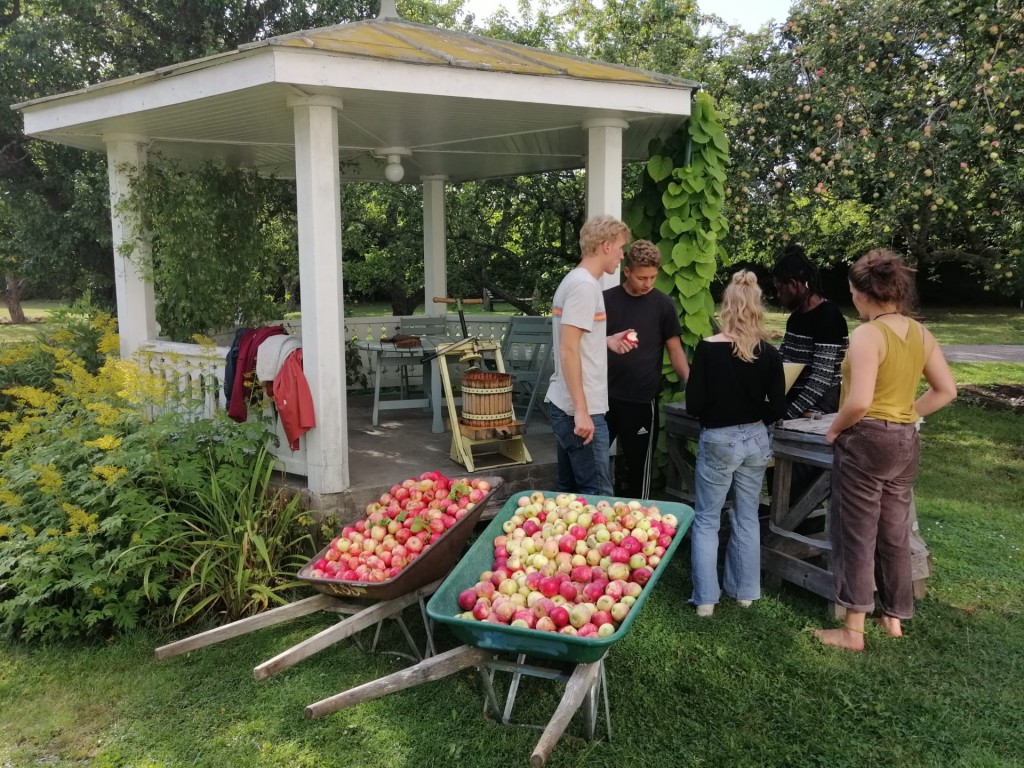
12 354
104 443
5 531
46 546
106 415
97 591
49 480
15 433
109 473
109 344
9 498
34 397
28 530
204 341
79 517
51 532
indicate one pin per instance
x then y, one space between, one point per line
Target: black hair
792 264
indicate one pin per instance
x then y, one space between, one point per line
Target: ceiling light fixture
393 171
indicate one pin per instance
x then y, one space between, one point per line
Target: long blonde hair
742 315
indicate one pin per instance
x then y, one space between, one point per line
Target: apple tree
885 123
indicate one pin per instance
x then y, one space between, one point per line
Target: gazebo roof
465 106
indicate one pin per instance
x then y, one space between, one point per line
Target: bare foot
841 638
891 625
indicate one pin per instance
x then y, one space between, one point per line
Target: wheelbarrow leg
328 637
428 670
513 690
580 683
245 626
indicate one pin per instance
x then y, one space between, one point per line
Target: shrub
109 519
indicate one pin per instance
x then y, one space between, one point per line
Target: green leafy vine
679 208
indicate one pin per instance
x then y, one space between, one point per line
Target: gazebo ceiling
467 107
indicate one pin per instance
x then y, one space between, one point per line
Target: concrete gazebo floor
402 445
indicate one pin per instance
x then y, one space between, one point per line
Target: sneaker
705 610
744 603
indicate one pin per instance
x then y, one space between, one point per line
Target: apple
641 576
546 624
604 602
619 611
559 615
579 615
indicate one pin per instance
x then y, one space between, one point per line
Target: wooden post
245 626
428 670
580 683
328 637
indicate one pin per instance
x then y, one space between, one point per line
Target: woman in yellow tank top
876 448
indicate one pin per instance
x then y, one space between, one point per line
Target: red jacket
293 399
241 388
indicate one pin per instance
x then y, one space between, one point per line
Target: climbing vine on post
679 207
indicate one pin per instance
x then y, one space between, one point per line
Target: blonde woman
736 388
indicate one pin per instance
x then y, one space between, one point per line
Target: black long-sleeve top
724 391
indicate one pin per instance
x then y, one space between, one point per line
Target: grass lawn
745 688
36 311
951 325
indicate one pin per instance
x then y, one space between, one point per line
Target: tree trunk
12 296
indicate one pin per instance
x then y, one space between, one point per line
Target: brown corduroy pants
874 464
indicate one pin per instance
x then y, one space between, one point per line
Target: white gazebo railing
197 372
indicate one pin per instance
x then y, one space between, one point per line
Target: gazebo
380 100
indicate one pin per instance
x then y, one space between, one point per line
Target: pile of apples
399 527
562 565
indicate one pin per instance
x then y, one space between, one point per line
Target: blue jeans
736 458
581 468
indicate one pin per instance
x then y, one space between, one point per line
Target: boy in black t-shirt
634 378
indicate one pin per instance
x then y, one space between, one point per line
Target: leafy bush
109 520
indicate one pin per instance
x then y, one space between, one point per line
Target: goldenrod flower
79 517
46 547
15 433
9 498
109 473
34 398
28 530
5 531
105 415
104 443
49 480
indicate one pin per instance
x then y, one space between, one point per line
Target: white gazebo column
318 194
604 172
435 251
136 306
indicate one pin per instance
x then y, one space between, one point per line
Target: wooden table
382 353
794 539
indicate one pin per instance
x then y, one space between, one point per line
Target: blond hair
598 230
742 315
